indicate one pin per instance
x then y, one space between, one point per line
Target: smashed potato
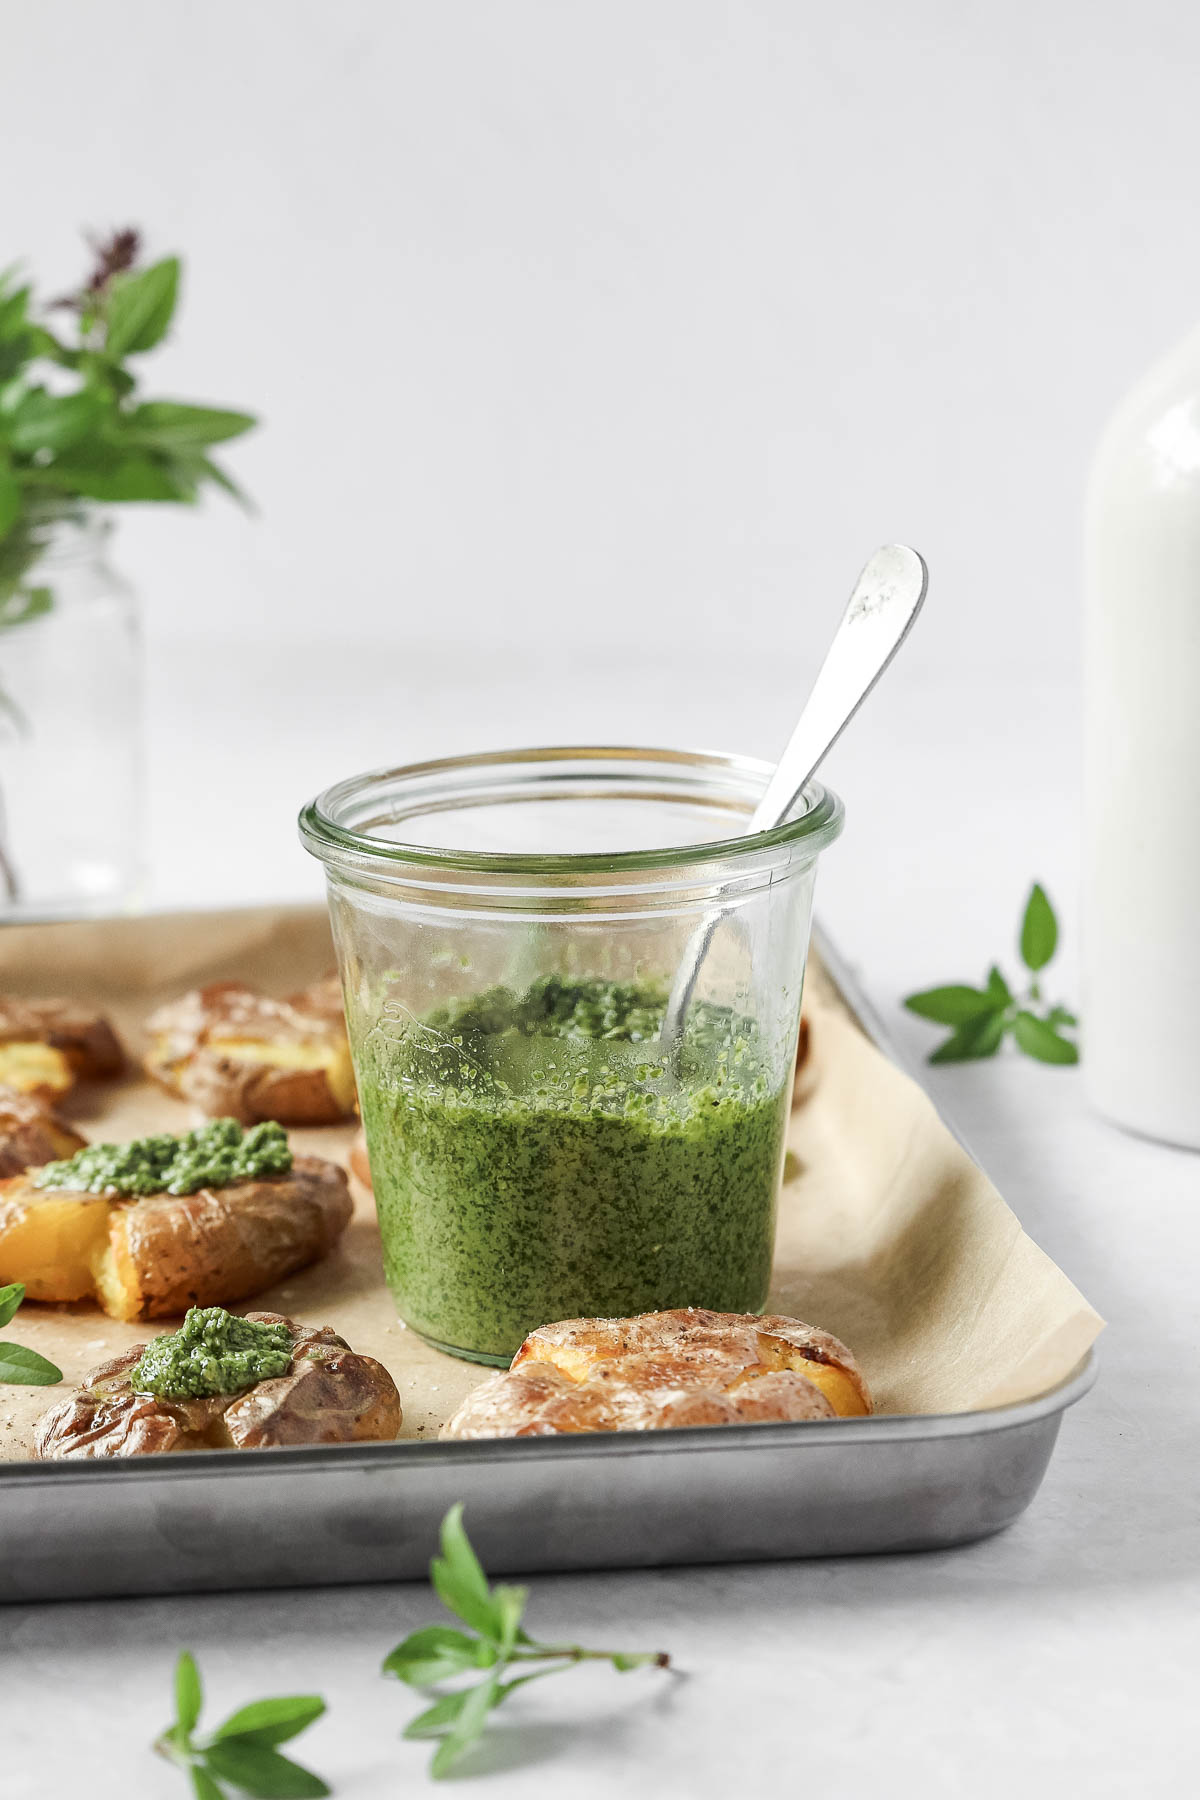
662 1370
237 1054
31 1134
153 1257
330 1395
46 1046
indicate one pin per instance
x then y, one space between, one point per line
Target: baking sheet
890 1236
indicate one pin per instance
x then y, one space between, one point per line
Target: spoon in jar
881 613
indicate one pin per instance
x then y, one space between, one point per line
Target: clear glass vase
71 724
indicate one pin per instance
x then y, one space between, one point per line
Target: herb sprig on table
22 1367
242 1752
493 1647
983 1017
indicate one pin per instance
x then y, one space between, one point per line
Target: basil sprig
22 1367
982 1017
241 1753
493 1645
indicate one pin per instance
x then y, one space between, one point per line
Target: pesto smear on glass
535 1158
214 1155
213 1352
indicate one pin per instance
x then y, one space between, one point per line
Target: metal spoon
881 613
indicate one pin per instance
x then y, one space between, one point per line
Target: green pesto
534 1159
213 1352
214 1155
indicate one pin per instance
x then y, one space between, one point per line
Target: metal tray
305 1517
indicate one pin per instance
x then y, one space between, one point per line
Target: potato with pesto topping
154 1227
225 1383
232 1051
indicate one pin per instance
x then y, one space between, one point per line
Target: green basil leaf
954 1005
189 1695
437 1719
509 1604
973 1041
18 607
53 422
1038 1038
25 1368
998 988
459 1581
1058 1015
170 424
132 476
11 1297
139 307
467 1727
261 1771
435 1654
203 1785
213 472
272 1721
1039 930
44 343
10 503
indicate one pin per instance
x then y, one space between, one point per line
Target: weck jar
507 930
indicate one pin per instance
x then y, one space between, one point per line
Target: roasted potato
322 1000
46 1046
154 1257
330 1395
659 1370
31 1134
239 1055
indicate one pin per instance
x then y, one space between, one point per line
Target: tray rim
816 1433
375 1457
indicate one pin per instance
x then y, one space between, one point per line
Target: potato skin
661 1371
221 1245
187 1057
31 1134
342 1398
155 1257
87 1040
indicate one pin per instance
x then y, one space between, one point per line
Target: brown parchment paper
889 1234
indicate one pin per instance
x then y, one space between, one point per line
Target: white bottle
1141 927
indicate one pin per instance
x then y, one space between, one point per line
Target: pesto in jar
534 1158
213 1352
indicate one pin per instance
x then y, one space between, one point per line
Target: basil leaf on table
953 1005
983 1017
1038 1038
11 1297
1039 930
438 1653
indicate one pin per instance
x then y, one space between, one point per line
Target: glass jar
71 760
507 928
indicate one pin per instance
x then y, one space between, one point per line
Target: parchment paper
889 1235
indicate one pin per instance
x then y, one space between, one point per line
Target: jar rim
325 836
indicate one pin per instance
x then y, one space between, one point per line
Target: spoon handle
882 609
881 612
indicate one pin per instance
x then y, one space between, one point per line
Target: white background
580 323
596 346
